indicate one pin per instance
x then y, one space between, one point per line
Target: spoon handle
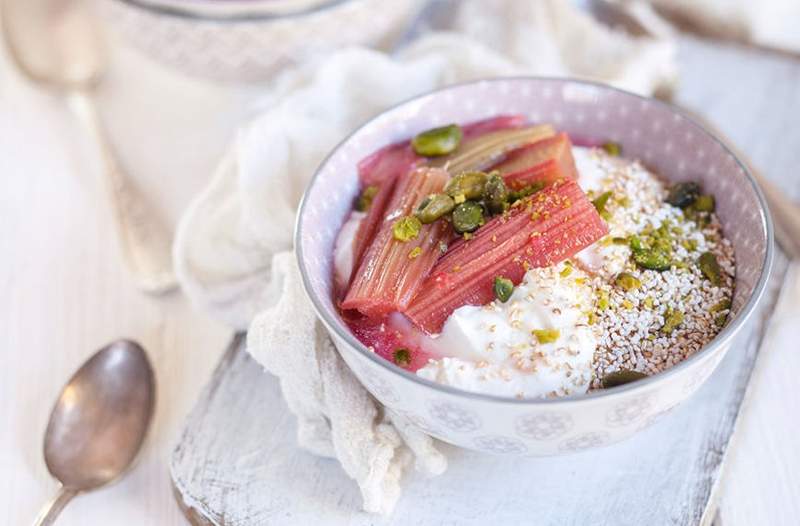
51 510
146 242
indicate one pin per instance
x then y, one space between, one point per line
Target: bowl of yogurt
533 266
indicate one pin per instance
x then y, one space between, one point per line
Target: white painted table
65 293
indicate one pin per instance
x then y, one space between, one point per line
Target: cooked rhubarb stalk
546 160
387 163
480 152
369 225
541 230
399 158
403 251
501 122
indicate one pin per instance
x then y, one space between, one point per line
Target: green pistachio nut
434 207
467 217
467 185
438 141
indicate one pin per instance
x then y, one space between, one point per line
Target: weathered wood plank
237 463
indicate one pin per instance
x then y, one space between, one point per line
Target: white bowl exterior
253 50
662 138
532 430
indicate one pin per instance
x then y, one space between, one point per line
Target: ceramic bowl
251 40
658 134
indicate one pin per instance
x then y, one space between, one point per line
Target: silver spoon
98 423
57 44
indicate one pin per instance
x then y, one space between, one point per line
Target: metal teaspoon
98 423
57 44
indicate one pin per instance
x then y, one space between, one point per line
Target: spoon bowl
99 422
72 58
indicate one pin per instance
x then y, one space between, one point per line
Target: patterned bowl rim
259 12
722 338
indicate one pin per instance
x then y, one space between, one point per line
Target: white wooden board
237 462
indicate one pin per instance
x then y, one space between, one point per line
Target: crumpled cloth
233 247
768 23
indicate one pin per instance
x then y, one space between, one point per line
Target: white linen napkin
233 246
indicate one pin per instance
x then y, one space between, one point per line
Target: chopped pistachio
364 200
471 185
627 281
689 244
415 252
721 306
721 320
619 240
600 204
525 192
467 217
657 255
602 300
402 357
672 318
627 304
612 148
648 302
566 271
406 228
546 335
653 259
683 194
437 141
503 288
623 201
704 203
433 207
496 193
606 241
621 377
710 268
591 318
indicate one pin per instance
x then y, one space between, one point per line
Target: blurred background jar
251 40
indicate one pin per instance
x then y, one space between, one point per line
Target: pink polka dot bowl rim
657 133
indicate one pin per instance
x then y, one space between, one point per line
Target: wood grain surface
65 294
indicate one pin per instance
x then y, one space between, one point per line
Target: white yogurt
592 175
493 349
343 250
